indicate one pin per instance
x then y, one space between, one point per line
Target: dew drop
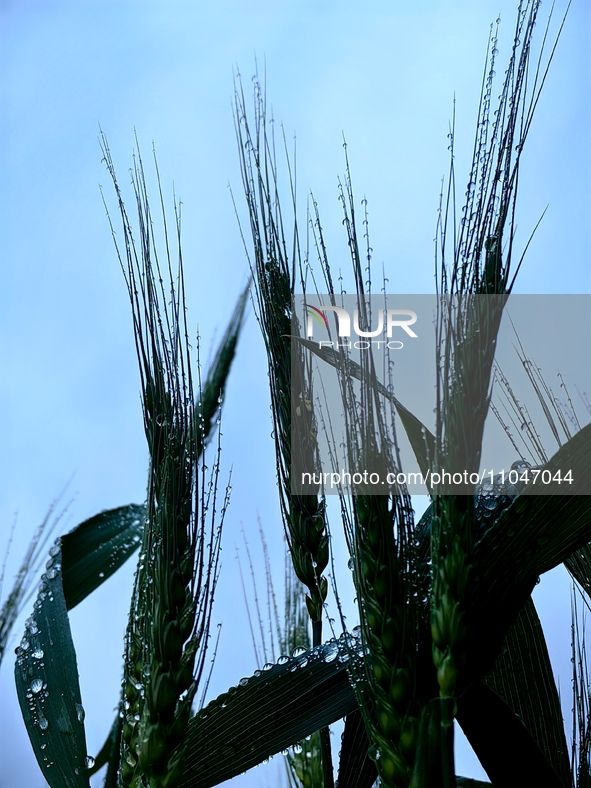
80 712
43 723
89 761
36 686
38 653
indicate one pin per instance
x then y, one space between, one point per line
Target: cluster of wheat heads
448 629
445 605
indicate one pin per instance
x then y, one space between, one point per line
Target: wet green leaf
267 713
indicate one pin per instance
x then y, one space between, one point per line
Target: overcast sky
385 77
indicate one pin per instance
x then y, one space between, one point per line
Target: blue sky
385 77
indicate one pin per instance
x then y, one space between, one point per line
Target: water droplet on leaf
36 686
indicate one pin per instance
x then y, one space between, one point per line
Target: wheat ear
171 607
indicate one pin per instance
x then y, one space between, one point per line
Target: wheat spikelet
384 557
386 584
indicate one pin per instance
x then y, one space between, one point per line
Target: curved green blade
96 548
579 567
47 685
533 535
267 713
46 672
356 769
217 375
494 730
522 676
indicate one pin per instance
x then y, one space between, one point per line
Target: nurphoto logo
387 320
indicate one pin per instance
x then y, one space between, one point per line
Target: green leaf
47 685
46 672
269 712
215 382
422 441
522 676
533 535
356 769
502 743
579 566
96 548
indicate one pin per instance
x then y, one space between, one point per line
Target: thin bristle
22 588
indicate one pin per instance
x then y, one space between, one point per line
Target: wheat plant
447 626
